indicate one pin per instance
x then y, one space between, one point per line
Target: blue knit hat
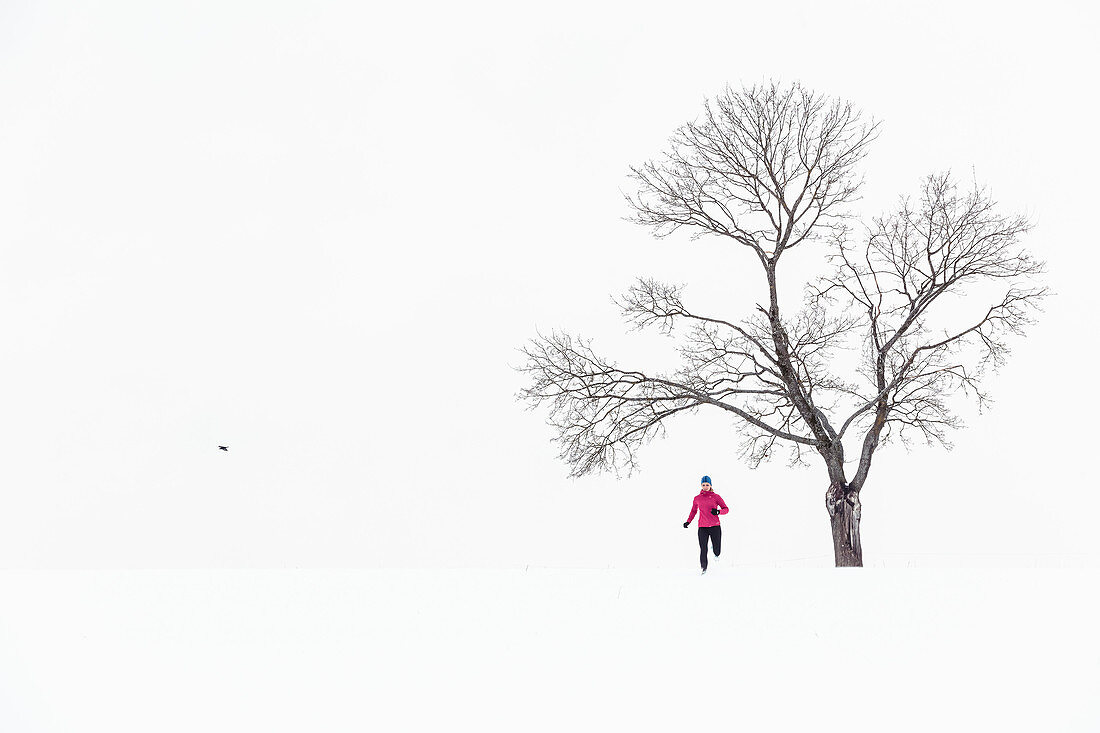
706 480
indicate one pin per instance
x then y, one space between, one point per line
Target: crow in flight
224 447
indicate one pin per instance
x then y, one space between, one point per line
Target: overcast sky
318 233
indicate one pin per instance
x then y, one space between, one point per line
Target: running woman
710 506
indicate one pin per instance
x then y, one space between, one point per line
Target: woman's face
706 487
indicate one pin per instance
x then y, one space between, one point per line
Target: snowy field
878 649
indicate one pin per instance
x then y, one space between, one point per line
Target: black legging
715 534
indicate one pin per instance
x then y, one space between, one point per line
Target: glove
686 524
715 512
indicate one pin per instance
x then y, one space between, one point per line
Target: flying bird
224 447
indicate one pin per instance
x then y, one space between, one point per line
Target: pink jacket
703 503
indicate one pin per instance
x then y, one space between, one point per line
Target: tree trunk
844 510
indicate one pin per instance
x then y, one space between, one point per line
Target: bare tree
769 169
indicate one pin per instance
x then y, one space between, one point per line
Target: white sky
319 232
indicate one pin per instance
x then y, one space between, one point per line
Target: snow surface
548 649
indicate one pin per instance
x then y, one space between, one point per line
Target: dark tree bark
843 506
769 169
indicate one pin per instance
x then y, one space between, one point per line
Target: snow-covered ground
878 649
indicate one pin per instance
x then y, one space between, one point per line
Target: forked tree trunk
844 510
